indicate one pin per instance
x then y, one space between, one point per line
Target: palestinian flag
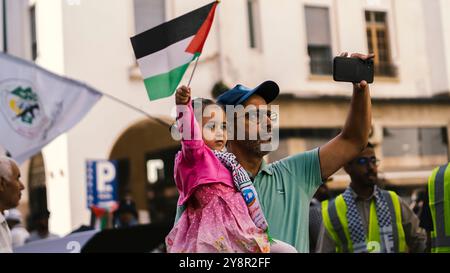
165 52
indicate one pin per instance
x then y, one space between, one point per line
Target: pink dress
216 218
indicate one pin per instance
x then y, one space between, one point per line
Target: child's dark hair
198 111
199 105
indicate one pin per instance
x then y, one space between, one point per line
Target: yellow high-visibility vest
439 195
335 220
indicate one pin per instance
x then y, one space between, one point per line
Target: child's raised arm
183 95
191 137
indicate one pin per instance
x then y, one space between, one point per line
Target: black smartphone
352 70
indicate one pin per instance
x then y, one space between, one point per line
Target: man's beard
370 179
254 146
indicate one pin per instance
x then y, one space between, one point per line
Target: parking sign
102 183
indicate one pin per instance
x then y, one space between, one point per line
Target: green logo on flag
22 108
27 112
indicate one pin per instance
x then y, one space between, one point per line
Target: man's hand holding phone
358 69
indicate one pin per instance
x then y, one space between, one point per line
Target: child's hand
183 95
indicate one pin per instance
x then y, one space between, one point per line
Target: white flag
36 106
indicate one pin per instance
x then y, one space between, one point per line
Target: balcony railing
321 67
325 67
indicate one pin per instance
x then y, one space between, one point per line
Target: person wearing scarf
244 184
366 218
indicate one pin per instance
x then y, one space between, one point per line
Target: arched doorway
37 190
146 153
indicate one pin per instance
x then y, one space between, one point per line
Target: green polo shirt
285 189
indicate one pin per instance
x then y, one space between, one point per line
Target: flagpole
162 122
193 71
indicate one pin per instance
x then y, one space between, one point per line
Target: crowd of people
231 200
13 230
278 200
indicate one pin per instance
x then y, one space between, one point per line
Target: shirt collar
2 218
263 168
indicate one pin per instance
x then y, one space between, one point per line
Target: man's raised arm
355 134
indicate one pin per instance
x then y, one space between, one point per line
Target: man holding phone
287 186
353 70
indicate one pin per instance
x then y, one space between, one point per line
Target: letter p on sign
106 173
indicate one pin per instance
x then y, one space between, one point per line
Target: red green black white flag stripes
164 53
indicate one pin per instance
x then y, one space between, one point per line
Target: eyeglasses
366 160
256 115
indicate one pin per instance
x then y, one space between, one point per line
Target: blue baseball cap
268 90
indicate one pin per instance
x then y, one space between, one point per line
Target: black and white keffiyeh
244 184
356 229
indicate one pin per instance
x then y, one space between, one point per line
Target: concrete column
435 43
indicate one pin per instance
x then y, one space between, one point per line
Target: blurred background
289 41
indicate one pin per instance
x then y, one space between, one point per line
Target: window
254 24
18 28
4 24
313 137
148 14
378 43
34 52
415 147
319 40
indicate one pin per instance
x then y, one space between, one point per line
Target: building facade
289 41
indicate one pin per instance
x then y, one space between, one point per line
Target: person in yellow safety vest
439 195
366 218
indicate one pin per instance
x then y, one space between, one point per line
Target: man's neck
248 161
364 192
